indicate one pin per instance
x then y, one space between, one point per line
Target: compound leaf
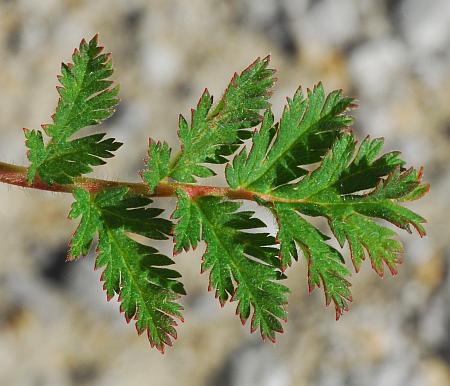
216 132
86 98
243 266
350 188
148 291
308 127
351 215
307 164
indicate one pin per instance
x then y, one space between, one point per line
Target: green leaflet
86 99
82 239
326 267
188 228
243 266
157 164
244 165
216 133
308 127
147 290
349 216
336 190
318 194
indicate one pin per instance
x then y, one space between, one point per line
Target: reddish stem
17 175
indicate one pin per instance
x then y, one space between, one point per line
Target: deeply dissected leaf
216 132
349 187
308 127
243 265
321 193
86 98
148 291
308 164
349 215
326 266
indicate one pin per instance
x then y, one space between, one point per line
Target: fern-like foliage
307 164
147 290
243 266
86 98
349 188
307 130
216 132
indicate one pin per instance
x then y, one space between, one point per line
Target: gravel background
393 55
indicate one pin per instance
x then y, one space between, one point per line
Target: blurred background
56 327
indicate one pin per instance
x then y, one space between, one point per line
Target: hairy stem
17 175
